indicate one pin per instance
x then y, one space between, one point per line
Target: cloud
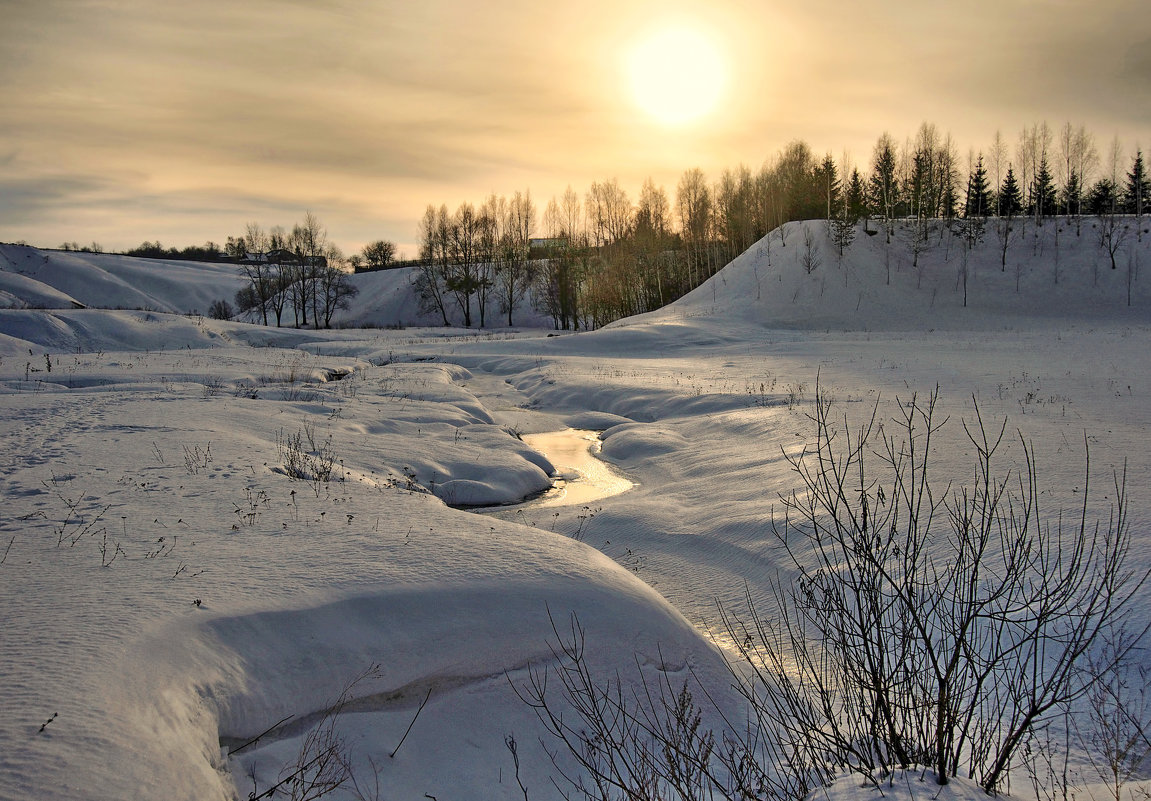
378 108
24 200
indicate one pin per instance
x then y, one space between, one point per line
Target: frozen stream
582 477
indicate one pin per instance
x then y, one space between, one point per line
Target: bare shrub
650 743
197 458
324 762
927 628
1116 733
306 458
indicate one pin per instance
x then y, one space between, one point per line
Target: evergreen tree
883 188
1073 194
978 203
1010 204
1010 198
919 186
1103 198
848 211
857 196
827 176
1043 191
1137 196
949 202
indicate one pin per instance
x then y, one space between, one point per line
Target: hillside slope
881 287
31 278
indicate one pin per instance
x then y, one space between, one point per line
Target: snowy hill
1051 276
31 278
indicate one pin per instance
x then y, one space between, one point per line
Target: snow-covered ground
169 591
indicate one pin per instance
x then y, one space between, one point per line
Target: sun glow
677 75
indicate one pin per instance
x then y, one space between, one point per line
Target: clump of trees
585 260
602 255
298 271
477 260
209 252
94 247
378 255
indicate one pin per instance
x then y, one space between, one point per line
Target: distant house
284 256
542 247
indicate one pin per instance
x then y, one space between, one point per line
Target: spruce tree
1102 198
1137 196
1010 204
828 178
883 187
1073 194
1043 191
1010 198
978 203
857 196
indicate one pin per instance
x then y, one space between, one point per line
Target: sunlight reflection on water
583 477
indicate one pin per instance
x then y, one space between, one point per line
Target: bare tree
1033 147
513 274
1085 159
693 203
379 254
254 265
463 274
998 159
428 280
1113 229
308 241
567 248
609 212
334 288
735 211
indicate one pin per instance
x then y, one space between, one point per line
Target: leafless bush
648 744
1116 733
928 628
306 458
919 629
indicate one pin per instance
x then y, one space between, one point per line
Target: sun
677 75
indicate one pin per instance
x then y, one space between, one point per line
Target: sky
130 120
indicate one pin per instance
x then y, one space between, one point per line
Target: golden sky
126 120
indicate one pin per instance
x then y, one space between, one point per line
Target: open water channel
581 476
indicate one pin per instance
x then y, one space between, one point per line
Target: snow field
302 585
